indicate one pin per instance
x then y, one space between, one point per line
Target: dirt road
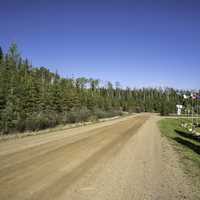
116 160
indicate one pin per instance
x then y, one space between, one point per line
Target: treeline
34 98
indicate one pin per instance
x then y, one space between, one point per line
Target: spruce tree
34 98
1 54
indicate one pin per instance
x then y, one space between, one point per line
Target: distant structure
179 108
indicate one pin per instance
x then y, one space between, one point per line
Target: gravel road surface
122 159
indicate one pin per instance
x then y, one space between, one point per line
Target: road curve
121 159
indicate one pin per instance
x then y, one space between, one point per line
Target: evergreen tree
1 54
34 98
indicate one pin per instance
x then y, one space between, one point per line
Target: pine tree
34 98
1 54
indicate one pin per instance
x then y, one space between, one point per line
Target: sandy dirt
115 160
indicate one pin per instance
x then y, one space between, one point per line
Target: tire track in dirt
109 150
44 171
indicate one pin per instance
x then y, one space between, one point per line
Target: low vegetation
186 143
33 98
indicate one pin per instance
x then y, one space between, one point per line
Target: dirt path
123 159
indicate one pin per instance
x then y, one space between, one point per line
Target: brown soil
120 159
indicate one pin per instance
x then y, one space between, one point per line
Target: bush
21 125
99 113
76 115
105 114
41 121
84 114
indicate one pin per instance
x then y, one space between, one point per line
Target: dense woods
33 98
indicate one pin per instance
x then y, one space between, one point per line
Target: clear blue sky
138 43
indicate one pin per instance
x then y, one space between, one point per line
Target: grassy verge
187 146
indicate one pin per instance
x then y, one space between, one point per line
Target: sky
140 43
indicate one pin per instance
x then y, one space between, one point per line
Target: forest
34 98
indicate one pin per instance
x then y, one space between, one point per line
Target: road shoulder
182 170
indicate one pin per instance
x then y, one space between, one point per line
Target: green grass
198 129
189 121
187 147
181 139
